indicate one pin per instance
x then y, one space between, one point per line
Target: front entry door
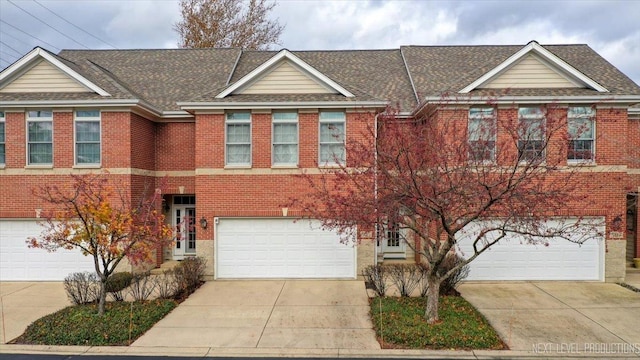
184 221
393 245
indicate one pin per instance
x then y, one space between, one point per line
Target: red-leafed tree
446 174
98 217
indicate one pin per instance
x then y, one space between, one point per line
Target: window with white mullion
581 129
285 138
40 137
2 139
238 138
532 123
87 135
332 137
482 134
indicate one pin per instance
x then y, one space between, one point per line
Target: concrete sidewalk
296 314
561 317
633 278
22 303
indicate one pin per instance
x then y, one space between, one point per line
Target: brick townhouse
228 130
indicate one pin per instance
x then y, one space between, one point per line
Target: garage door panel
280 248
20 263
513 258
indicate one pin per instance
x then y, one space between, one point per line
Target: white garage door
280 248
20 263
513 259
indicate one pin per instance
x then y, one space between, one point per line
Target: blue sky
612 28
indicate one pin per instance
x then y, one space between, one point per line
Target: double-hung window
285 139
238 139
482 134
332 137
2 139
87 135
532 134
40 137
581 129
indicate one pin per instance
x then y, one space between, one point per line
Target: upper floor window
238 138
531 142
40 137
482 134
2 139
285 138
332 137
581 129
87 135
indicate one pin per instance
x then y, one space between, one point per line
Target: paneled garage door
20 263
513 259
280 248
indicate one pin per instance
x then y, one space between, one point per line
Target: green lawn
122 324
400 323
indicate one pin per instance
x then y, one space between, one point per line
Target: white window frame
228 122
542 117
30 119
481 116
592 117
275 122
77 119
343 121
3 140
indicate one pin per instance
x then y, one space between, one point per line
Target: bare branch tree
227 23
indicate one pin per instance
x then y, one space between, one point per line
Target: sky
612 28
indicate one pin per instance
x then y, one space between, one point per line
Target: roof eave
281 105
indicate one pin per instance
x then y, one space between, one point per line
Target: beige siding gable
285 78
530 72
44 77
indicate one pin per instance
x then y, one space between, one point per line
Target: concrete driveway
269 315
560 317
22 303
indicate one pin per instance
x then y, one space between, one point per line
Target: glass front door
184 222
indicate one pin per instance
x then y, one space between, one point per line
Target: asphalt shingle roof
166 77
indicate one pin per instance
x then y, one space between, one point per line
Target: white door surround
184 222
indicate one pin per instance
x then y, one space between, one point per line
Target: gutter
279 105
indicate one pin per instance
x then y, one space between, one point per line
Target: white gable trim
37 53
266 66
535 48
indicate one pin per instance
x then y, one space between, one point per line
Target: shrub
188 274
116 283
448 286
376 277
82 287
166 285
405 277
142 286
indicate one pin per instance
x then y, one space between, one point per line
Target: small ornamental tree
449 174
99 219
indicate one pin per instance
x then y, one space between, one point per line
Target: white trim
275 122
97 119
282 105
329 164
226 144
511 99
39 52
27 148
266 66
534 47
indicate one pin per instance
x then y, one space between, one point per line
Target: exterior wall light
203 222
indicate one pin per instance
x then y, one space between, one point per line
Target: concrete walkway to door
293 314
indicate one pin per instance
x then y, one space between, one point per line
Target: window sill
330 166
581 163
38 167
237 167
2 166
285 166
88 166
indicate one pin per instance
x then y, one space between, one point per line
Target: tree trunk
103 296
433 293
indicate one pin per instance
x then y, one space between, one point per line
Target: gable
526 61
530 72
285 78
44 77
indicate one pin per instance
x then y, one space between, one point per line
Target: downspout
375 187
